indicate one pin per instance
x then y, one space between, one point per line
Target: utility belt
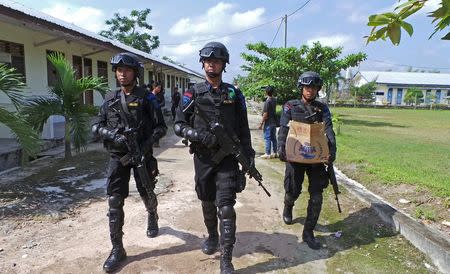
216 155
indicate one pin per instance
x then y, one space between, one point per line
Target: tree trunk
67 143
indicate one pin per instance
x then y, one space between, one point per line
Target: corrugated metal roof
407 78
42 16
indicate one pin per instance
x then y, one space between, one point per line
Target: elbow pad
178 130
104 133
192 135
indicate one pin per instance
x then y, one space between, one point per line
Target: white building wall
36 67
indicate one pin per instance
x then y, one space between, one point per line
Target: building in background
27 36
392 86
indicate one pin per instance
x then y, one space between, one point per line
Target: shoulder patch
187 98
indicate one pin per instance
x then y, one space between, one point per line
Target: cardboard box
306 143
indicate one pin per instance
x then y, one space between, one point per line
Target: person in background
175 102
269 124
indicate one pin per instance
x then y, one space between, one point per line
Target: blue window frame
427 96
399 96
389 96
438 96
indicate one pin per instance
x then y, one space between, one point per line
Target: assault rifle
230 144
136 152
333 181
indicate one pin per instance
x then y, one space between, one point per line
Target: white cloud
429 6
184 49
188 49
86 17
358 17
219 19
337 40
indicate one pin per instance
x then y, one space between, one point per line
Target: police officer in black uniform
216 181
306 110
141 110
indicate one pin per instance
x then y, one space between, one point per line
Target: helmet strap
212 74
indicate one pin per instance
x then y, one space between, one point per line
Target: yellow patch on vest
133 104
228 101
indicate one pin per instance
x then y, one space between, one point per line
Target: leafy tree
389 24
281 67
64 100
413 96
11 84
127 30
364 93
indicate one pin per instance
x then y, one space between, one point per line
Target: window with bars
102 70
13 55
52 77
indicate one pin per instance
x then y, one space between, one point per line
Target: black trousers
216 182
119 176
294 176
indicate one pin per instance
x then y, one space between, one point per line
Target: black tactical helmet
310 78
216 50
127 59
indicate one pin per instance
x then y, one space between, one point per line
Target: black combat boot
226 267
152 219
210 245
152 224
313 212
287 211
227 238
116 217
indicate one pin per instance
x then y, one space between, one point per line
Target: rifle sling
123 111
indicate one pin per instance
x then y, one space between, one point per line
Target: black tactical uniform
145 114
216 180
306 112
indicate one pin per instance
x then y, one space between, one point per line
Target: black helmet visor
125 60
311 81
211 52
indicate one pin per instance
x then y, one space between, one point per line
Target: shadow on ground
283 250
354 122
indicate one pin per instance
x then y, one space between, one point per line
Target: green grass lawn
394 146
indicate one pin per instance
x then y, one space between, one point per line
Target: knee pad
227 212
115 201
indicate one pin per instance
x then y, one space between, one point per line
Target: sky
185 26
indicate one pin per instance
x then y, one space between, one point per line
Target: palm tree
64 100
11 84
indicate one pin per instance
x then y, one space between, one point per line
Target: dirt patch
77 240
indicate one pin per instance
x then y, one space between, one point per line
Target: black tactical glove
252 165
120 139
209 140
282 153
